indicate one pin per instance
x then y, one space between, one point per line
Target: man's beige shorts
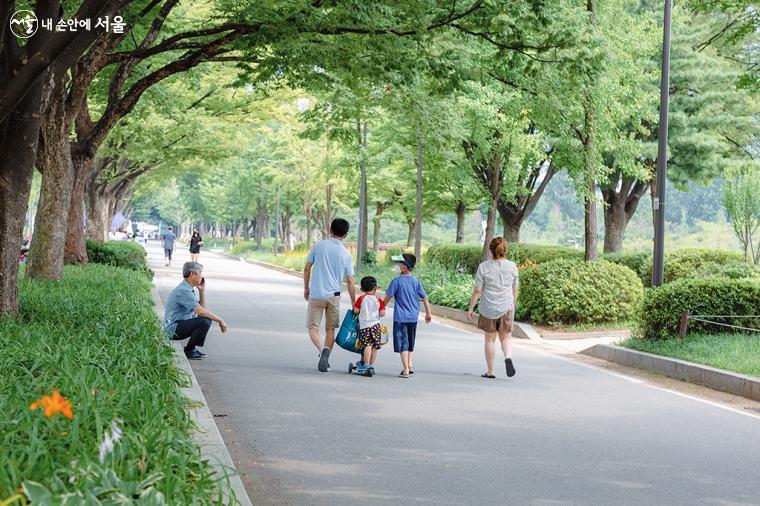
502 324
318 307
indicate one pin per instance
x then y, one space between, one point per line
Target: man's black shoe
324 358
194 355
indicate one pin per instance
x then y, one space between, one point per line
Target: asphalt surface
559 432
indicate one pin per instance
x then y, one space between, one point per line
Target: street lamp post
658 259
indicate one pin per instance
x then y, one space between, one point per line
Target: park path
557 433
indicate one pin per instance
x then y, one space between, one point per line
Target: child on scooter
370 309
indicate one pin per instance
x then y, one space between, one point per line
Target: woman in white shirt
496 286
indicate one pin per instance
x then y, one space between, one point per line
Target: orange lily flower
54 404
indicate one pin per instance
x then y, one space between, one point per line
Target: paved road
557 433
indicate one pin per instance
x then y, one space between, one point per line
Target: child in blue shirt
407 292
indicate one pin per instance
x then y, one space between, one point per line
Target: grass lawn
734 352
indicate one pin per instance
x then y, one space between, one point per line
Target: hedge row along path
559 431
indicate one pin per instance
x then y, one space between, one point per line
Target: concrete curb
208 437
520 330
711 377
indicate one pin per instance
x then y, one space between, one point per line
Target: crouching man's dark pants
194 328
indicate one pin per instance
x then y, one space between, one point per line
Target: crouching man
186 315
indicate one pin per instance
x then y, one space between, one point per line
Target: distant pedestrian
186 316
370 309
196 241
327 264
496 286
167 242
407 291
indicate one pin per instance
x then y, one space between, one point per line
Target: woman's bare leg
490 350
506 343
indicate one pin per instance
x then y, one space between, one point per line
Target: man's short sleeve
186 300
349 267
391 290
421 290
310 256
479 277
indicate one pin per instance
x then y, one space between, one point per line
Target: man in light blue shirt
327 264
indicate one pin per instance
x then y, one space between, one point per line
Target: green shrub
392 252
95 337
457 257
682 263
466 257
369 257
741 270
687 263
574 291
242 247
125 254
638 262
660 315
455 295
538 253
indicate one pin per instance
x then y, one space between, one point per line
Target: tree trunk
328 212
614 226
621 197
380 207
99 206
54 158
362 239
512 231
98 213
309 233
410 234
286 219
461 212
495 190
590 228
19 133
246 231
418 203
75 251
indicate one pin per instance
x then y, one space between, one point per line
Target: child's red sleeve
382 304
358 303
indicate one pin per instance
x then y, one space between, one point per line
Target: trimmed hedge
242 247
466 257
638 262
682 263
574 291
456 257
539 253
124 254
660 315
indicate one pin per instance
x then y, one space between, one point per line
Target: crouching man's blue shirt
179 306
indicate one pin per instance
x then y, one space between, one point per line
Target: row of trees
489 98
489 136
